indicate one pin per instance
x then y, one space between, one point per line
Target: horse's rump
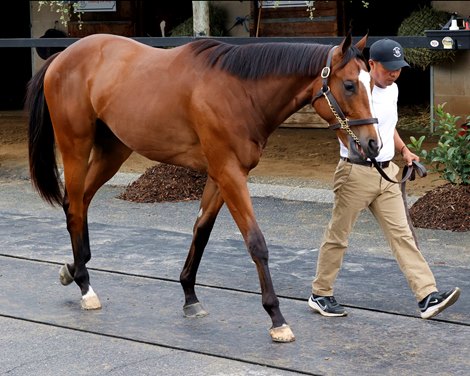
141 93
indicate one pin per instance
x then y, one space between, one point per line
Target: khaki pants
358 187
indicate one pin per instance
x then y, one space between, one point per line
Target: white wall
451 81
40 22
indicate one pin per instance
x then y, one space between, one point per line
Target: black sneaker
436 302
326 306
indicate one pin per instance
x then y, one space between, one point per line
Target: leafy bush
451 157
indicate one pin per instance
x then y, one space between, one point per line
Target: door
15 63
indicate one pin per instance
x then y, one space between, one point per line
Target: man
359 185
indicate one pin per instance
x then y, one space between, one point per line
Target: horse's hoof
65 277
90 300
194 310
282 334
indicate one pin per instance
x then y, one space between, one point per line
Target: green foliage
426 18
64 10
451 157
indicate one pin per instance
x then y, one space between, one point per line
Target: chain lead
343 122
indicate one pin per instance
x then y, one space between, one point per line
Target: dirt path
305 157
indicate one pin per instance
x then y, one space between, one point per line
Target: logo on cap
396 52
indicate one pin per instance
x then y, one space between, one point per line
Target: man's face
383 77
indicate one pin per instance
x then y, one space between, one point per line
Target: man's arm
401 147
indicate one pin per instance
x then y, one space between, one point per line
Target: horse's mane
258 60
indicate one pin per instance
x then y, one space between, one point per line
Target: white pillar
201 19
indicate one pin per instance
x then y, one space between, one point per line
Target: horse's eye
349 86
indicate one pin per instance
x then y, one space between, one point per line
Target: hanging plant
426 18
64 9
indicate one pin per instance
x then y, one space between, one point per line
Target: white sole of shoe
315 307
451 299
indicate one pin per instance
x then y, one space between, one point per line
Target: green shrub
451 157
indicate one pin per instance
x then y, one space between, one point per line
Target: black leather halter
343 121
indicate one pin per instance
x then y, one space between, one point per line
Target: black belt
367 163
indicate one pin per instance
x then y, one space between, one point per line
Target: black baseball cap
389 53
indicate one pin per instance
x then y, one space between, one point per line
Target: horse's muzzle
359 153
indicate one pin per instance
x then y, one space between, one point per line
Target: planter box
448 39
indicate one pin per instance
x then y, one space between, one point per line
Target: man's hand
408 156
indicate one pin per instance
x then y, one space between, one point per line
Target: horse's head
342 96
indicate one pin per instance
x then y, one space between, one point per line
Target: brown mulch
446 207
165 182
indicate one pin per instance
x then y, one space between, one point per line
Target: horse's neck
283 97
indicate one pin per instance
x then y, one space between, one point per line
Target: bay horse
205 105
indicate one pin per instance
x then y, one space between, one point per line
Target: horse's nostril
373 146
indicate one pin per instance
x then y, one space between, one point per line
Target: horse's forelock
258 60
352 53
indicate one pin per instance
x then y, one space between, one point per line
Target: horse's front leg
211 203
256 244
235 193
77 226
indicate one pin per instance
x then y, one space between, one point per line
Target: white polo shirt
385 109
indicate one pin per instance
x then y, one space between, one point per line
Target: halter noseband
343 121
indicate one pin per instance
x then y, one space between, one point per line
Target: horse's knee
257 247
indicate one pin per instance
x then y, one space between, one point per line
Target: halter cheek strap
343 121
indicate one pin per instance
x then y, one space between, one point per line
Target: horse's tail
41 145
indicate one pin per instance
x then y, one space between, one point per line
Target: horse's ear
362 43
346 43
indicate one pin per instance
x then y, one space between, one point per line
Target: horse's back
106 56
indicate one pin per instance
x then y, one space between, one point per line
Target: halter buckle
345 123
325 72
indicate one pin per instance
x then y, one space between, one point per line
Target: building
21 19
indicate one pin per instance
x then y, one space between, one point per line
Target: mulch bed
164 182
444 208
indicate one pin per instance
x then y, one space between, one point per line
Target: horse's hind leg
211 203
75 154
108 155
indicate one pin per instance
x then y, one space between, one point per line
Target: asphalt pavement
138 251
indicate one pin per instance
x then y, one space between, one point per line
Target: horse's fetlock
270 302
